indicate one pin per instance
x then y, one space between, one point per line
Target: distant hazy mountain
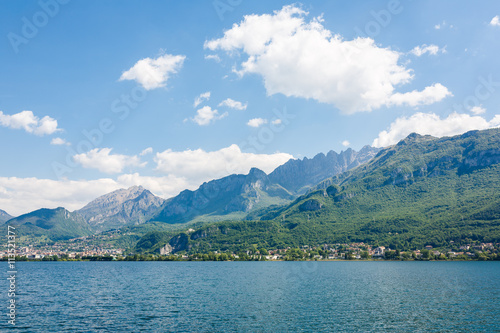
4 216
229 197
134 205
297 176
51 224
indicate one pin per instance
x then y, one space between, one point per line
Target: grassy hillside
422 191
47 225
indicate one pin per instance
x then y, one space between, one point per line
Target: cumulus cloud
102 160
59 142
256 122
182 170
206 115
431 49
22 195
201 98
346 143
276 121
27 121
154 73
302 58
199 166
232 104
495 21
432 124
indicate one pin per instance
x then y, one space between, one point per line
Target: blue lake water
255 297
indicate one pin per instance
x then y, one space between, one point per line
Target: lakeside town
78 249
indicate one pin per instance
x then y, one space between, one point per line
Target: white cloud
102 160
256 122
201 98
431 49
214 57
22 195
276 121
154 73
495 21
477 110
437 26
346 143
59 142
304 59
231 103
27 121
146 151
199 166
206 115
432 124
184 170
429 95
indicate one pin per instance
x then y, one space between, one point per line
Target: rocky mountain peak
121 207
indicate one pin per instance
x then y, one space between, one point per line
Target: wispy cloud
201 98
146 151
431 49
214 57
231 103
478 109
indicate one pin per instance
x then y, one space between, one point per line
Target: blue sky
297 79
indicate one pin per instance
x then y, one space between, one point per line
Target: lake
255 297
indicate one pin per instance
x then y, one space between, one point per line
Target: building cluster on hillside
38 253
81 247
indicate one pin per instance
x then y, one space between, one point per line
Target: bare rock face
121 207
310 205
165 250
242 194
234 193
298 176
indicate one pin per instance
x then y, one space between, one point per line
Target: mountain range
421 191
235 196
232 197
